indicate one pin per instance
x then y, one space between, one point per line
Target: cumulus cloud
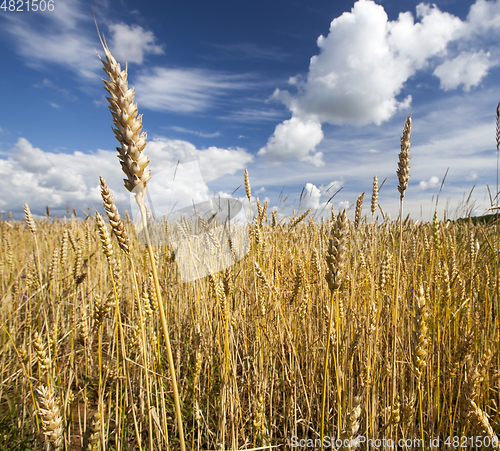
364 62
131 42
483 16
431 183
47 178
41 178
358 76
294 138
331 188
312 196
467 69
214 162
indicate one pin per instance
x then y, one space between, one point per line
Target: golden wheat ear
127 122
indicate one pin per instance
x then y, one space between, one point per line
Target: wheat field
249 342
346 329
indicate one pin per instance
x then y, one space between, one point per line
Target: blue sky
309 96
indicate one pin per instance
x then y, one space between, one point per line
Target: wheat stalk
403 173
134 164
335 263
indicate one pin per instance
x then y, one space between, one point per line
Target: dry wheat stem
134 164
163 319
403 173
335 264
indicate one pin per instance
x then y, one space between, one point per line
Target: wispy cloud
195 132
185 90
248 50
48 84
56 37
253 115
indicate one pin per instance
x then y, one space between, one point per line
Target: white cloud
312 196
183 90
343 205
294 138
214 162
364 62
483 16
55 37
466 69
433 182
331 187
41 178
362 66
46 178
132 42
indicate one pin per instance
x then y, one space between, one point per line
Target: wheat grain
107 247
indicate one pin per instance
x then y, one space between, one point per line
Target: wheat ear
374 196
51 418
128 125
404 159
359 208
114 217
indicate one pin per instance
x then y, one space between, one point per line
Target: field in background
82 354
